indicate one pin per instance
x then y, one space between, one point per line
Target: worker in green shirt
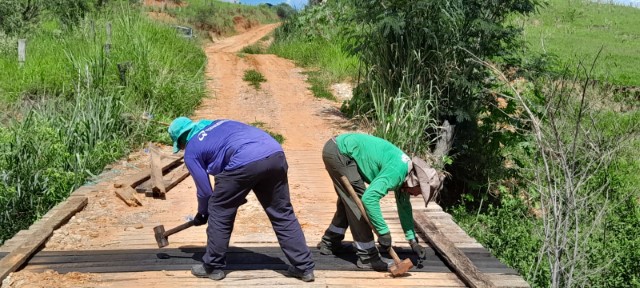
364 158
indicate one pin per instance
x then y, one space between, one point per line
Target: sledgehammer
400 267
162 237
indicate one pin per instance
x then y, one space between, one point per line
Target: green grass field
576 30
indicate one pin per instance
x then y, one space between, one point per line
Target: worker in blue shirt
241 158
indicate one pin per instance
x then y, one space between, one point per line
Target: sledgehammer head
401 268
160 238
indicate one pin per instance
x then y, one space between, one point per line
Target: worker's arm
378 188
203 184
405 212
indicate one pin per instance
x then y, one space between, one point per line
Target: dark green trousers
347 212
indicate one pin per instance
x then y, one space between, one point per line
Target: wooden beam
176 176
157 183
171 180
134 180
458 261
17 257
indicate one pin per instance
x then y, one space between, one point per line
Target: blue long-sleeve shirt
224 145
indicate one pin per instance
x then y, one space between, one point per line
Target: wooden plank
157 183
176 176
505 280
128 195
467 271
17 257
271 278
22 51
254 258
171 180
140 177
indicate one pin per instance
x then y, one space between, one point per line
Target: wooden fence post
107 46
93 29
108 32
122 68
22 51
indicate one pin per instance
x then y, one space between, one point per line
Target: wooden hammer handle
178 228
352 193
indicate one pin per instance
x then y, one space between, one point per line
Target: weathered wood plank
171 180
271 278
138 178
254 258
128 195
157 183
467 271
17 257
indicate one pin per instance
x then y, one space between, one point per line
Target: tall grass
404 117
313 40
68 105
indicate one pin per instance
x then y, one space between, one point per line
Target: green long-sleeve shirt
384 166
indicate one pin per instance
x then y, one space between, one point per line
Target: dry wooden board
128 195
17 257
171 179
467 271
140 177
270 278
157 183
507 280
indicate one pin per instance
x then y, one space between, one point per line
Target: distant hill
577 30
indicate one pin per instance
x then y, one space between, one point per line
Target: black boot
335 248
203 272
376 263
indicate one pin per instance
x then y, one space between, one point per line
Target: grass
577 30
256 48
320 85
277 136
254 78
328 60
66 109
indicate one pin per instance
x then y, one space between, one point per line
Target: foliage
70 12
284 10
568 171
509 231
254 78
312 38
21 16
221 17
17 17
68 109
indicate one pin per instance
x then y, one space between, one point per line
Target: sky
293 3
634 3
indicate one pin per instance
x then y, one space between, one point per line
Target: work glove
385 241
200 219
419 250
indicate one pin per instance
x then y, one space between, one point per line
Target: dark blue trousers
268 179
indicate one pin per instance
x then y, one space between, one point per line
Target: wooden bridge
122 252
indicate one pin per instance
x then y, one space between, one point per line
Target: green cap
177 128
